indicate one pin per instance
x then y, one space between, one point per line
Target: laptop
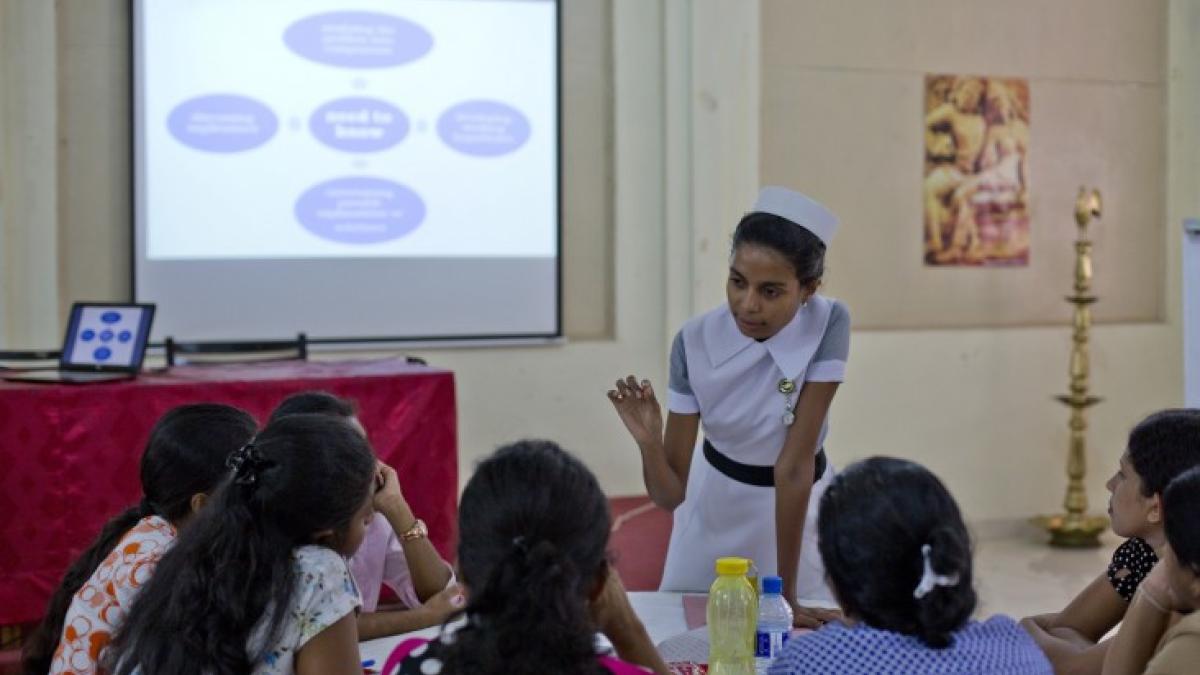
104 342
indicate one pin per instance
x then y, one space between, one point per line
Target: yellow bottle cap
733 566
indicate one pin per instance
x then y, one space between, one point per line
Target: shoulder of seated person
317 555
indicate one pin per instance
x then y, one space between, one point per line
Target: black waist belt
754 474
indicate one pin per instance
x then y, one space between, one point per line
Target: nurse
758 374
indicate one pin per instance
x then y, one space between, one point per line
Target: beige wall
28 172
973 404
843 116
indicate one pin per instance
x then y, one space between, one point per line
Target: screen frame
464 340
142 339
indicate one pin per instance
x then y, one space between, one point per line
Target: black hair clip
245 463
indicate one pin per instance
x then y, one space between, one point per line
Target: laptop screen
107 337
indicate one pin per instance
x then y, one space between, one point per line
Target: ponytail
949 604
39 648
533 536
219 598
530 616
213 586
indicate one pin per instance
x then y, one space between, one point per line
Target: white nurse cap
799 209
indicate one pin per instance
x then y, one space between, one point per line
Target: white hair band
929 579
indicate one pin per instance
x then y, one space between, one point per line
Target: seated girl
396 551
183 461
533 532
259 582
1161 447
1147 643
899 561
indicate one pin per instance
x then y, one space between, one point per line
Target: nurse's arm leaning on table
794 474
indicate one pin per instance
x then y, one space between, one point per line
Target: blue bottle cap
772 585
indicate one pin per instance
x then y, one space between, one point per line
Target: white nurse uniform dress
732 382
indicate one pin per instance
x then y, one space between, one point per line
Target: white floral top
325 592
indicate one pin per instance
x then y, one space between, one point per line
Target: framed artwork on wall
976 178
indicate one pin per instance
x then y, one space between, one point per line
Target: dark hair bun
875 517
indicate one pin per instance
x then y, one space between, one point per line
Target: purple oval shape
358 39
359 124
483 128
222 123
357 210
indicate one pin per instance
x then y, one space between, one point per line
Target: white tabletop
662 614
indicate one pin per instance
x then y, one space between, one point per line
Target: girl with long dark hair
899 561
396 550
533 535
259 582
183 461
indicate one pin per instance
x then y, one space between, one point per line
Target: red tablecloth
69 453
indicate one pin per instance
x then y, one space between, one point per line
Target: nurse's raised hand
638 408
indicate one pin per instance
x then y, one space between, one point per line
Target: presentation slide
378 145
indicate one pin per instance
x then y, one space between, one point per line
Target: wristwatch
417 531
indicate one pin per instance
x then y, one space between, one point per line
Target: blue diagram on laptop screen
106 336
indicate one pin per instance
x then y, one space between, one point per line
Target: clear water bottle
774 624
732 608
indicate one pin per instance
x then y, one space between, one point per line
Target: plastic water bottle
774 624
732 610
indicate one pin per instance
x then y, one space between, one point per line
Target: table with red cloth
69 453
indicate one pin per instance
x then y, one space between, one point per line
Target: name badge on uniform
788 389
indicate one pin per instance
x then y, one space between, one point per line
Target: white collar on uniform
791 348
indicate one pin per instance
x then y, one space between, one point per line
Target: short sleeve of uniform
829 361
325 592
680 397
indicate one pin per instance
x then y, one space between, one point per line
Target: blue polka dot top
997 646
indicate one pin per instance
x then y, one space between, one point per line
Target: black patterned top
1131 562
